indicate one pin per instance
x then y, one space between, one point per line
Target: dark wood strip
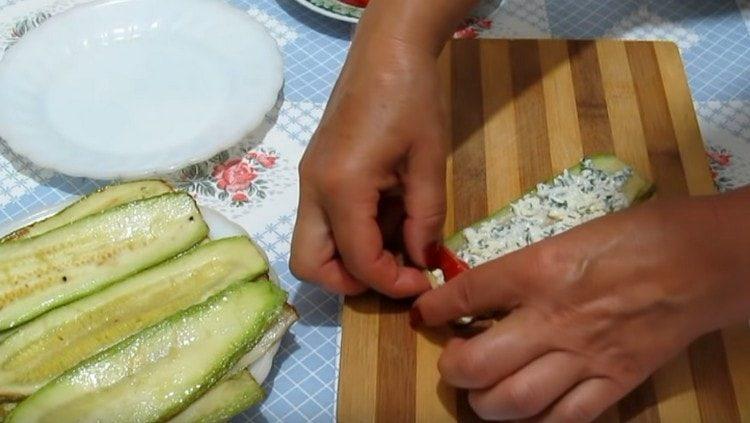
397 364
534 162
463 410
469 183
713 385
591 103
641 405
469 171
663 150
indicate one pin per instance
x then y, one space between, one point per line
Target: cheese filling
561 204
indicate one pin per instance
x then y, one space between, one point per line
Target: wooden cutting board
521 112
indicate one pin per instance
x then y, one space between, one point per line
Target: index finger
359 242
484 289
313 256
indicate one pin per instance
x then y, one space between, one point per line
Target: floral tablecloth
256 183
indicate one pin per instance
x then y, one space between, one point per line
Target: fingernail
432 255
415 318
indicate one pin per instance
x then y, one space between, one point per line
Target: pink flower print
265 160
234 175
721 158
240 197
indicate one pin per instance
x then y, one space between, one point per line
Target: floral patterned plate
334 9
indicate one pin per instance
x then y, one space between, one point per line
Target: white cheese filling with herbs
567 201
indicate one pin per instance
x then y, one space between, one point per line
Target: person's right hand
590 313
383 131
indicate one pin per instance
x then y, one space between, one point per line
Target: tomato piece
358 3
441 257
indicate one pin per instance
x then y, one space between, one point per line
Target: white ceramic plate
132 88
334 9
219 227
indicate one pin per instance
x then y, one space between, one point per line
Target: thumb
424 200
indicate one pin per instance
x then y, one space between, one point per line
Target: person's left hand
592 312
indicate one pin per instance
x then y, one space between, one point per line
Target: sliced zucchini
5 409
222 402
42 349
273 335
105 198
55 268
634 189
160 371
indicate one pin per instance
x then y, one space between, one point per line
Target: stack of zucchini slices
119 309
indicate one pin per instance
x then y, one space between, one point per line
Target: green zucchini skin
637 189
222 402
275 332
5 409
160 371
77 259
105 198
42 349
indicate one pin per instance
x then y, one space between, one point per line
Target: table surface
714 38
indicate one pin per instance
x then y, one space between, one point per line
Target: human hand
593 312
383 130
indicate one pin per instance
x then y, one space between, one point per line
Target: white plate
132 88
219 227
335 9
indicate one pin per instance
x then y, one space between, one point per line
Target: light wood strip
593 116
682 112
359 344
436 401
674 388
713 384
622 105
397 364
564 132
500 136
535 164
666 166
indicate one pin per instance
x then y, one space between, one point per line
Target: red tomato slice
358 3
441 257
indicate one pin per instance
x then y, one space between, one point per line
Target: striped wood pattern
522 111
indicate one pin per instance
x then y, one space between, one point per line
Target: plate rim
154 169
325 12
